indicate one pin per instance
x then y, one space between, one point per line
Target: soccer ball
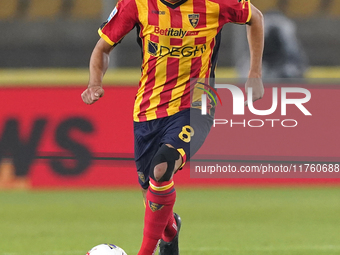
106 249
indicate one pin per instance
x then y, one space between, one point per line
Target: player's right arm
121 21
99 63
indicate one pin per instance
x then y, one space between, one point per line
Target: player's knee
159 170
163 163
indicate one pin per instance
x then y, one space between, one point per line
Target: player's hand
258 89
92 94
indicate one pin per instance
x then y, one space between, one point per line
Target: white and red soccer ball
106 249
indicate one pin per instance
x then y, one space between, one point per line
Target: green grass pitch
235 221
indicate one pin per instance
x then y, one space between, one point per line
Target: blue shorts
185 131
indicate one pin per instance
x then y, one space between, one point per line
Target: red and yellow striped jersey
179 42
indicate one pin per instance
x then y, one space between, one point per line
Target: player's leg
160 199
193 129
169 241
159 220
147 144
160 170
147 140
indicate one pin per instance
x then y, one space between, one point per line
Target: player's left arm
255 35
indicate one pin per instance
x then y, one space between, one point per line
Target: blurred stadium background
62 33
45 46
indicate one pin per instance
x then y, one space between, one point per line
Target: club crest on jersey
155 207
194 18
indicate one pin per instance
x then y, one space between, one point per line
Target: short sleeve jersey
179 42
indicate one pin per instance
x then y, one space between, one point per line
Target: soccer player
180 41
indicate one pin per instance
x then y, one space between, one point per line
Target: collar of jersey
173 5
